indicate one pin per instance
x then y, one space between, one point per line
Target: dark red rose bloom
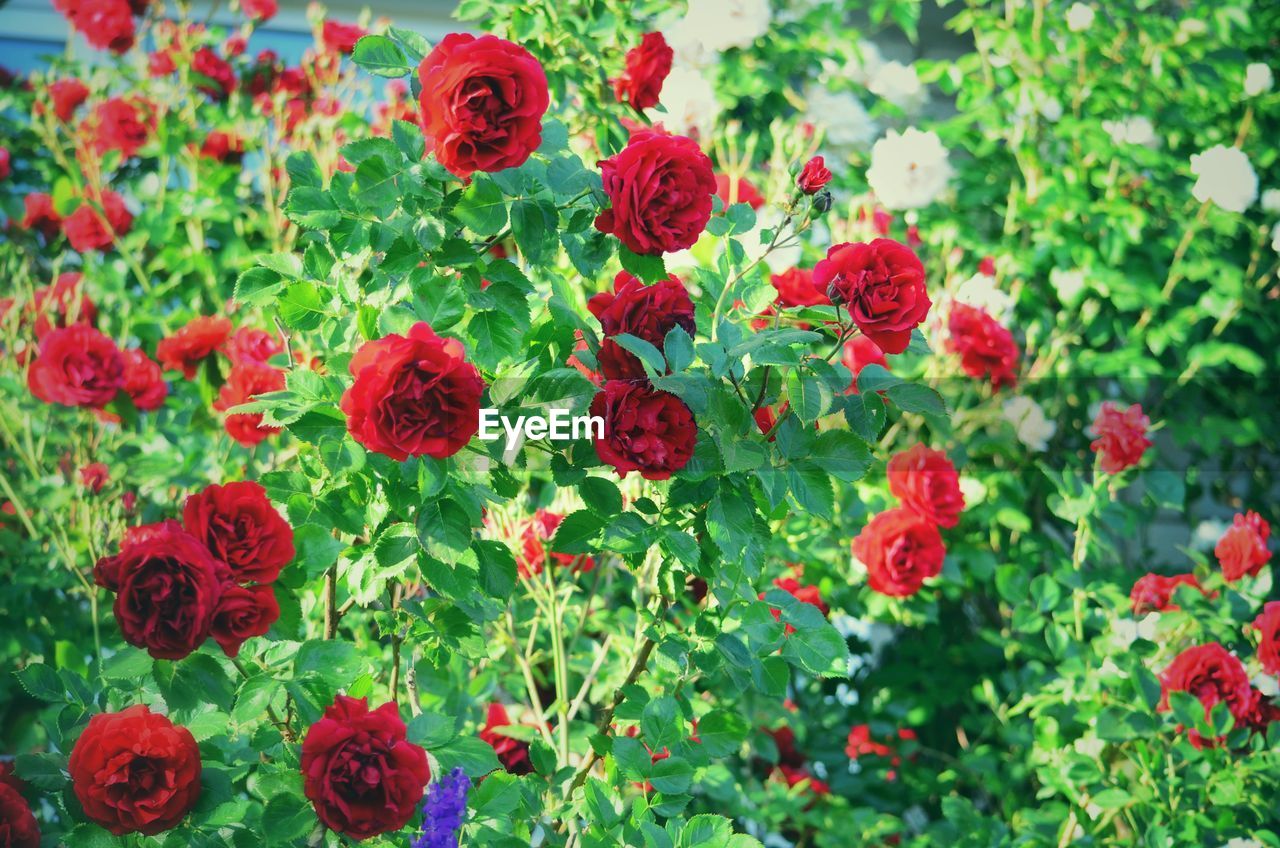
39 214
482 103
1121 436
77 366
94 476
249 344
645 429
120 123
881 284
647 68
1243 550
18 828
512 753
814 176
737 190
105 24
1154 592
901 550
647 312
7 777
659 189
788 754
239 526
927 484
360 771
144 381
66 95
192 343
135 771
167 586
341 38
5 168
858 353
1214 676
1261 713
246 381
805 594
243 612
795 288
260 11
413 395
535 537
87 229
216 77
1268 626
986 348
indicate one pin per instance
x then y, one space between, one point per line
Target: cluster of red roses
105 24
177 584
1241 552
901 547
860 744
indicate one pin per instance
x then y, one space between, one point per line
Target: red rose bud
647 312
659 189
359 770
1121 436
498 130
987 266
814 176
135 771
94 476
243 612
67 95
927 484
239 526
647 67
881 284
901 550
645 429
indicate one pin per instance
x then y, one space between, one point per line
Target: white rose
1257 79
1079 17
842 115
690 103
1136 129
909 170
1029 422
899 84
722 24
1067 284
1271 200
1225 177
866 62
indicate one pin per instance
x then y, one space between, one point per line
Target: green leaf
601 496
254 697
301 307
444 529
381 56
577 533
647 353
476 756
722 732
41 682
913 397
129 664
482 209
287 817
257 286
678 349
650 269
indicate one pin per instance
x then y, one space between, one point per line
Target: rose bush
932 503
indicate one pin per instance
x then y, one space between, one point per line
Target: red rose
795 288
76 366
361 773
135 771
647 68
482 103
243 612
341 38
858 353
986 348
246 381
805 594
1154 592
1268 626
1214 676
5 168
144 381
187 348
795 777
413 395
784 738
222 147
860 744
814 176
119 124
39 214
249 344
901 550
94 476
167 586
216 77
739 190
239 526
645 429
1121 436
512 753
537 532
659 190
87 229
18 828
66 95
1242 550
259 11
987 266
105 24
881 284
927 484
647 312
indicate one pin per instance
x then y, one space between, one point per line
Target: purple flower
443 811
